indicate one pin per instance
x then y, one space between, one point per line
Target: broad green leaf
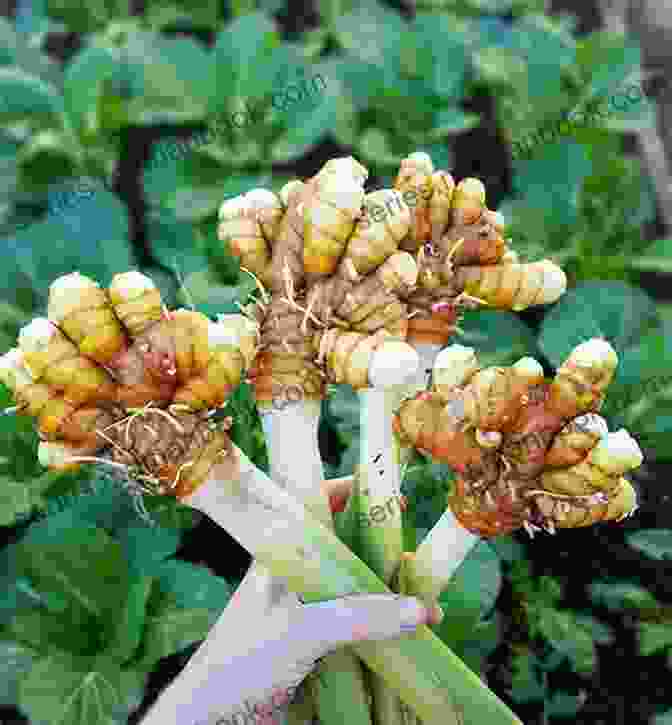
183 14
654 637
551 180
65 558
610 310
130 621
71 630
563 704
27 98
174 629
167 77
193 587
655 543
146 546
18 498
307 124
47 156
17 50
656 258
471 593
66 690
434 50
664 718
499 337
15 662
82 16
173 243
62 244
84 83
619 595
372 33
526 684
241 61
452 120
561 630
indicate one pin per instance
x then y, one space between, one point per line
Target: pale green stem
282 534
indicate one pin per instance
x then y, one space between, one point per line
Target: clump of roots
157 452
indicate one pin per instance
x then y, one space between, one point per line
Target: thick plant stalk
282 534
382 540
295 463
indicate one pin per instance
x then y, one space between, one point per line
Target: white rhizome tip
454 365
617 453
65 293
594 353
13 372
555 282
528 367
36 335
393 363
131 285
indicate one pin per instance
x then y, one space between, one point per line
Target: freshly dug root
528 452
152 399
463 261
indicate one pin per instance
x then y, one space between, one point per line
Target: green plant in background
390 85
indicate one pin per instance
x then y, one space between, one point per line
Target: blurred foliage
204 100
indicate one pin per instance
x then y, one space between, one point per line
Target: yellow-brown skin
162 379
540 473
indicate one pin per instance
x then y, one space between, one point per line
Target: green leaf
172 630
371 33
174 244
561 630
241 62
499 337
62 244
619 595
183 14
610 310
17 499
654 637
16 49
656 258
66 690
526 684
307 124
655 543
193 587
82 16
129 623
167 78
146 546
436 53
80 565
47 156
471 593
89 76
27 98
15 662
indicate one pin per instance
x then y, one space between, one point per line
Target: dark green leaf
611 310
193 587
130 621
25 97
62 244
172 630
499 337
654 637
15 662
656 543
79 691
